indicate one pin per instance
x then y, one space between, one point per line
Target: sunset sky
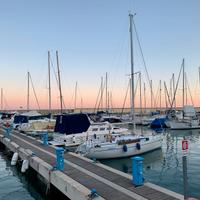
92 38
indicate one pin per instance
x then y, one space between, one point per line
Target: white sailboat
189 119
120 145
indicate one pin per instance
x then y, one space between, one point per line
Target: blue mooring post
60 158
137 170
45 138
8 131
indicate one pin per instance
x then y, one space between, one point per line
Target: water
164 166
14 185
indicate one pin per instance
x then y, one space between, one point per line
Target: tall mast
108 101
28 95
1 98
173 80
183 82
81 104
170 91
145 98
132 72
140 79
166 104
186 92
199 76
160 95
151 95
75 95
102 93
59 82
106 91
49 74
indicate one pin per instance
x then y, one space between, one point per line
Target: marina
84 173
100 100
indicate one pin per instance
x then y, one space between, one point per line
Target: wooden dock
80 174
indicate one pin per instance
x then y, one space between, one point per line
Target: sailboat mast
132 72
199 75
75 96
28 95
151 95
106 91
145 98
183 82
173 80
49 74
59 82
160 94
165 90
81 104
140 79
186 87
101 93
1 98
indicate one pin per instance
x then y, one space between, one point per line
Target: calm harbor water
164 166
14 185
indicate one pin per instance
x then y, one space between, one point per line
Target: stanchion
60 158
137 170
45 138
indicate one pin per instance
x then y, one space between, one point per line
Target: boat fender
24 166
74 139
138 147
125 148
14 158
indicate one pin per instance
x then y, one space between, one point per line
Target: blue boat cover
159 123
72 123
20 119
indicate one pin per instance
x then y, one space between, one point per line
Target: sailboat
32 122
189 118
120 145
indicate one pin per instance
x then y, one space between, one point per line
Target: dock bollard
7 131
137 170
60 158
45 138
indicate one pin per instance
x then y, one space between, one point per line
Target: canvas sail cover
72 123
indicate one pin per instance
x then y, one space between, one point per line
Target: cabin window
102 129
109 128
95 129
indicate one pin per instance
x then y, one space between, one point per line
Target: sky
92 39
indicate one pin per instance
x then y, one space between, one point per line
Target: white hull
116 151
181 125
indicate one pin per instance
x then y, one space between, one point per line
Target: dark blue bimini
72 123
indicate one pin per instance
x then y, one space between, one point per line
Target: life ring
138 147
125 148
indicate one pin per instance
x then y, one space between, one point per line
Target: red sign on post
184 145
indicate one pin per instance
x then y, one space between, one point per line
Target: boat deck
109 184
